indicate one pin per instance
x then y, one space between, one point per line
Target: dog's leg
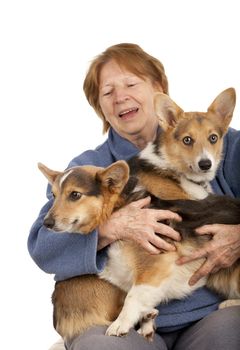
144 296
228 303
147 325
139 302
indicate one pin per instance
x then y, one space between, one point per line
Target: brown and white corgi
184 158
178 165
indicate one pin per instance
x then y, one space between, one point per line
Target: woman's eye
107 93
187 140
213 138
132 84
74 196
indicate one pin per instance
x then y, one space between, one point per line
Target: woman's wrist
105 236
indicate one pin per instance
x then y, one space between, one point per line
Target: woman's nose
120 95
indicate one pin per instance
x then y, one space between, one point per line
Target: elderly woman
120 86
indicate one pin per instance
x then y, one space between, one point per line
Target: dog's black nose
205 164
49 222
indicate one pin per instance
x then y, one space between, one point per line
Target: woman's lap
95 338
217 331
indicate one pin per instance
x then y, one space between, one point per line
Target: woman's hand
136 223
221 251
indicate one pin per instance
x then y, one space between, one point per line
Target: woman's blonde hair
132 58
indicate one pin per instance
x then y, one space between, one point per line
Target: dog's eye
53 195
74 196
187 140
213 138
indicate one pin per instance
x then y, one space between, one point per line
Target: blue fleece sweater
66 255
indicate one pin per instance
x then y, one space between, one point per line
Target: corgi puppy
184 158
178 165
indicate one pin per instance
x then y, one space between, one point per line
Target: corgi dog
186 153
175 170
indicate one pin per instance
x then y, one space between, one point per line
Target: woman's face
127 101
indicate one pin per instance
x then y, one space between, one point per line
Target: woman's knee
91 339
224 323
95 339
217 331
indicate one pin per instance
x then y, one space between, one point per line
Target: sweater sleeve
227 181
66 254
231 165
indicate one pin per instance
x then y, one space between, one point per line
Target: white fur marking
117 271
63 178
149 155
194 190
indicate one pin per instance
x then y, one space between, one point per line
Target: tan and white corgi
178 165
184 158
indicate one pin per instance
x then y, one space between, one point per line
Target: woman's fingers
141 203
157 245
166 230
152 249
161 215
197 254
204 270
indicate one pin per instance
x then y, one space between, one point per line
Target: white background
46 47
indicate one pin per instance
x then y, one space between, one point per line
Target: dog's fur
178 165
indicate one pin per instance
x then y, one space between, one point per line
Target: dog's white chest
195 190
117 271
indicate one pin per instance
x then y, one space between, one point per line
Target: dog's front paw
228 303
118 329
147 325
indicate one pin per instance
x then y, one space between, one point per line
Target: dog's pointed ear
223 106
167 111
48 173
115 176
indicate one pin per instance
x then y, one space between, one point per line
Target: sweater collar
121 148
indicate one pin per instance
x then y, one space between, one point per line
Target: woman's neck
141 140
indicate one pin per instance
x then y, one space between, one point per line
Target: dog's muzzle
49 222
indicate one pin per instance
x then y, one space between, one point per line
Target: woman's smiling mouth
127 113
